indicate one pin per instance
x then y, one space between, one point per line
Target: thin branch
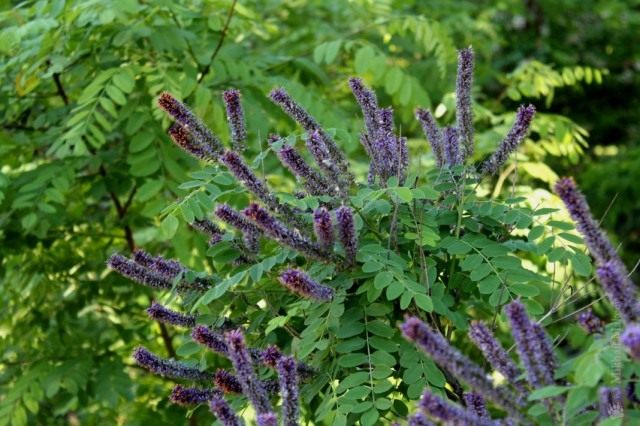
223 35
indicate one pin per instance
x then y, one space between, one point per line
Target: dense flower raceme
312 232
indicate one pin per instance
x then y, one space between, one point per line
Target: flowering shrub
346 301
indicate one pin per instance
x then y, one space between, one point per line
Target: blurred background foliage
86 167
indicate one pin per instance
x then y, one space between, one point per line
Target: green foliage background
86 167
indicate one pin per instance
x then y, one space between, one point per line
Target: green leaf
169 226
383 279
581 264
547 392
403 193
370 417
188 348
424 302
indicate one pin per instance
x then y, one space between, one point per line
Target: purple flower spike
464 113
419 419
168 368
443 410
368 102
510 143
310 125
323 227
161 313
302 285
181 137
314 182
620 290
188 120
227 382
166 268
224 412
630 337
459 365
234 218
288 375
192 396
433 134
212 340
595 239
475 403
235 117
270 356
611 402
279 232
590 322
245 175
242 363
544 354
133 271
493 352
347 233
208 228
267 419
452 154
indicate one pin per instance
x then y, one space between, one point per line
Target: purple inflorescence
595 239
347 233
137 273
493 351
181 137
323 228
310 125
190 122
168 368
464 113
235 117
620 290
301 284
288 378
227 382
517 133
314 182
192 396
611 402
270 356
368 102
224 412
451 147
242 363
267 419
590 322
234 218
166 268
251 241
475 403
438 408
208 228
459 365
245 175
433 133
279 232
529 345
545 357
419 419
161 313
209 338
630 337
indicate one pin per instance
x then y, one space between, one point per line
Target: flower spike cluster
209 229
301 284
192 396
590 322
440 409
451 148
464 112
224 412
433 134
347 233
235 117
168 368
314 182
611 402
287 373
165 315
323 228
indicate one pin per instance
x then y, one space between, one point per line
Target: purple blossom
133 271
209 338
419 419
320 153
288 376
517 133
181 137
161 313
347 233
620 290
235 117
246 177
590 322
227 382
368 102
168 368
475 404
385 149
251 241
433 133
279 232
169 269
527 342
544 354
270 356
208 228
192 396
493 351
630 337
242 363
464 113
460 366
188 120
594 237
224 412
452 154
301 284
314 182
310 125
234 218
323 228
438 408
267 419
611 402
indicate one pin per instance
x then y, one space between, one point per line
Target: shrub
374 287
